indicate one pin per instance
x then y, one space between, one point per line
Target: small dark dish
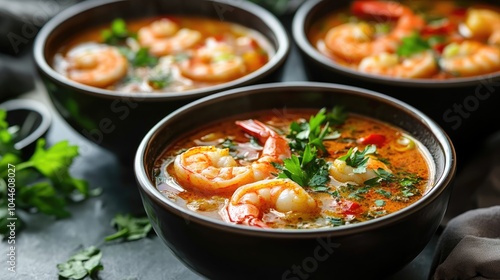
461 106
118 120
30 120
219 250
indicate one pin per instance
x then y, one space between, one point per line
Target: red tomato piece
387 9
374 139
350 207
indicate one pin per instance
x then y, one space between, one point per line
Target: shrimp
344 173
355 41
483 24
214 62
213 170
422 65
470 58
96 65
164 37
249 202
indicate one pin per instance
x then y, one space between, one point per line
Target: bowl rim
32 106
300 38
442 183
270 20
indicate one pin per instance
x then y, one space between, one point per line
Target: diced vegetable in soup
301 169
164 54
412 39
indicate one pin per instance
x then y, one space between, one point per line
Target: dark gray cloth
20 21
469 247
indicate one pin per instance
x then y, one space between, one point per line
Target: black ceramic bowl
368 250
118 120
30 120
463 107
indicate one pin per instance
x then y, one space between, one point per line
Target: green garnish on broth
117 33
412 44
308 169
358 159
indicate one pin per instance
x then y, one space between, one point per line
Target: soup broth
162 54
300 170
412 39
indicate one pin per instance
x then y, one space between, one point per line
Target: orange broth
341 203
444 26
162 73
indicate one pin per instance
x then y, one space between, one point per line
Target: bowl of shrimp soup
296 180
443 57
113 68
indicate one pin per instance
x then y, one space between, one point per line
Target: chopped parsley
86 262
306 138
382 175
117 33
129 228
357 159
412 44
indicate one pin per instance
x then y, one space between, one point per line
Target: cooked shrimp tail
275 146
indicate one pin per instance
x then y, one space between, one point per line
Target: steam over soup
298 169
163 54
412 39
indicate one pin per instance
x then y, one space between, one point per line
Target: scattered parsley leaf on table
86 262
129 228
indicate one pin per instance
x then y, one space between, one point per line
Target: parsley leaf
129 228
117 33
382 175
306 138
43 182
357 159
412 44
86 262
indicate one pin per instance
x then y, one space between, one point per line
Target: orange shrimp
214 62
470 58
422 65
483 24
355 41
249 202
96 65
164 37
213 170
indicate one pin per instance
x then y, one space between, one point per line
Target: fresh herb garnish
382 175
117 33
409 184
86 262
380 202
306 138
160 80
129 228
412 44
357 159
143 58
42 183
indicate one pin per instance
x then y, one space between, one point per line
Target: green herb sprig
42 183
412 44
358 159
117 32
307 168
